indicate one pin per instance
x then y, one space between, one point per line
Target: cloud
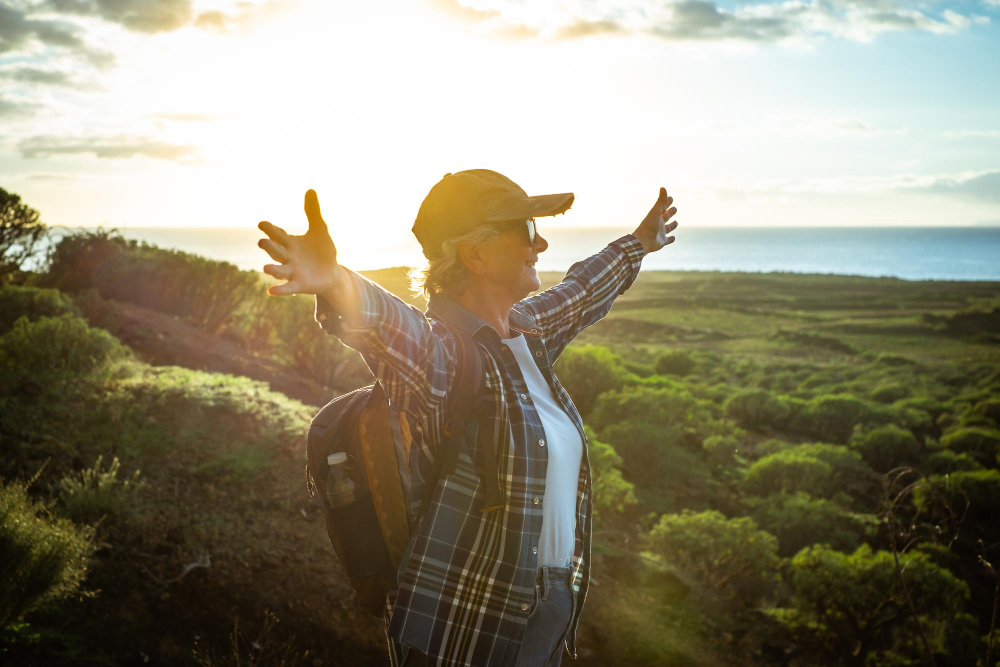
980 185
705 20
149 16
10 109
18 33
45 77
111 147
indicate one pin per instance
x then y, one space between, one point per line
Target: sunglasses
529 224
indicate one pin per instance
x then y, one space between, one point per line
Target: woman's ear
471 255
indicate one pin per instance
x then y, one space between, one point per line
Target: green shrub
886 447
656 455
832 417
853 604
979 443
799 520
675 362
974 495
757 408
587 371
947 462
31 302
93 493
612 493
42 559
54 347
731 556
819 469
889 393
721 448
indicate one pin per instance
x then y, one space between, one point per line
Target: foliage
42 559
946 462
53 349
730 556
93 493
798 520
832 417
205 291
33 303
757 408
587 371
971 496
853 604
890 392
20 232
980 443
612 493
675 362
989 408
819 469
886 447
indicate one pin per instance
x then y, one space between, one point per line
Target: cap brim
539 206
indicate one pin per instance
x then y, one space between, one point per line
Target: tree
20 232
586 371
819 469
675 362
853 604
886 447
731 556
612 493
799 520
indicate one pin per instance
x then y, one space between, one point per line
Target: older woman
493 586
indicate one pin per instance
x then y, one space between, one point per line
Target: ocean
911 253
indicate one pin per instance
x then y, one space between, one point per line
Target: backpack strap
466 399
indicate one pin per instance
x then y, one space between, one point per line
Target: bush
819 469
587 371
972 495
832 417
42 559
31 302
799 520
852 603
886 447
93 493
889 393
757 408
731 556
656 456
612 494
989 408
54 348
675 362
946 462
981 444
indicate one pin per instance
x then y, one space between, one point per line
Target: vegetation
788 470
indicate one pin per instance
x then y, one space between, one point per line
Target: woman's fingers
276 233
291 287
278 252
279 271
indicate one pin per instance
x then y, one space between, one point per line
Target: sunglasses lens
531 231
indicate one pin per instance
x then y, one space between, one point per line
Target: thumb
316 222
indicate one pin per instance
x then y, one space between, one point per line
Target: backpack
371 533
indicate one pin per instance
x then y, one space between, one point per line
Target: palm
656 225
308 262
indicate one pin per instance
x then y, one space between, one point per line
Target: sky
222 113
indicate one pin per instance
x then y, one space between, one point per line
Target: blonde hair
446 272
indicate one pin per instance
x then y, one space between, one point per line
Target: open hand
652 231
308 262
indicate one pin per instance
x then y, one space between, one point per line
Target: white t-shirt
565 453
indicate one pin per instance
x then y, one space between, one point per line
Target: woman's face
510 260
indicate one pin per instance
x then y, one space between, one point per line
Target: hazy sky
222 112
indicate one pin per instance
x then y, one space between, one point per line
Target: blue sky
223 112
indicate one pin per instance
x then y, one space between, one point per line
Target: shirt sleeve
586 294
413 358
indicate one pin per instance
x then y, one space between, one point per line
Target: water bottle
339 486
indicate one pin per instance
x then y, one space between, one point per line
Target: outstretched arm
414 360
591 286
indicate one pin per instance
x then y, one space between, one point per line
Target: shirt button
536 500
534 550
503 348
524 606
322 316
538 353
524 397
541 442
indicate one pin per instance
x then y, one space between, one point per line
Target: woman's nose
540 243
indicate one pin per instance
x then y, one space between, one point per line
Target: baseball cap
466 199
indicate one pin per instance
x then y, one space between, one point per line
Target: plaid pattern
466 586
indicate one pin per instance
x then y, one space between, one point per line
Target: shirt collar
449 311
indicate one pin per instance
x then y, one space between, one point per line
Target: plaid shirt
466 585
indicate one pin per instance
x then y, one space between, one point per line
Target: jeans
548 624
